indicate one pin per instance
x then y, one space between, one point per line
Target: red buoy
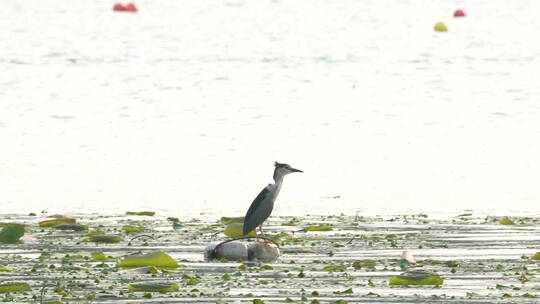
131 7
119 7
459 13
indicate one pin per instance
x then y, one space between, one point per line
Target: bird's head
285 169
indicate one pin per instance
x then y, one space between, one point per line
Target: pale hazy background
183 107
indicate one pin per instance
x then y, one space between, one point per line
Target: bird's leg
260 229
264 236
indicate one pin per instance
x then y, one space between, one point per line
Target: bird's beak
296 170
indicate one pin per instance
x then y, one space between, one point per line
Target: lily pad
536 256
11 233
14 287
229 220
331 268
158 259
506 221
104 238
319 228
98 256
74 227
4 269
147 213
416 278
132 229
154 286
57 221
236 230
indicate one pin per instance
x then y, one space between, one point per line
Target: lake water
183 107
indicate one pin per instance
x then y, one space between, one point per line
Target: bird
262 206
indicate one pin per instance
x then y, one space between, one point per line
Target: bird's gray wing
252 219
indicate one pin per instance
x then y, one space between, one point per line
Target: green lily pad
451 263
319 228
158 259
57 221
236 230
154 286
344 291
104 238
506 221
536 256
11 233
331 268
98 256
14 287
229 220
71 226
147 213
416 278
132 229
4 269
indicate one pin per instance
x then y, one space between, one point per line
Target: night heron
263 204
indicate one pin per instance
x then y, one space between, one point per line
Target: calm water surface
183 107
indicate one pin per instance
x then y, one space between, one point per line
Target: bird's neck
278 177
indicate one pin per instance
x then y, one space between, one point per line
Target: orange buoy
119 7
459 13
131 8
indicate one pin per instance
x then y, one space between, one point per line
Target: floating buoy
131 8
230 251
263 251
440 27
459 13
119 7
234 250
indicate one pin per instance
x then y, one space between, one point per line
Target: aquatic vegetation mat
11 234
142 257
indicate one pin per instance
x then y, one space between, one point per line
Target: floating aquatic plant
236 230
98 256
104 238
319 228
12 233
71 226
132 229
153 287
158 259
57 221
416 278
14 287
89 275
506 221
331 268
145 213
229 220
